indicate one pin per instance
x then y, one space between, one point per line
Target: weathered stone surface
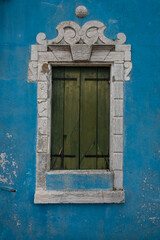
89 33
42 125
118 144
118 90
118 72
118 161
61 53
118 180
43 71
42 108
127 55
127 70
81 52
114 56
117 125
118 108
41 168
41 39
42 91
42 144
100 52
46 56
34 53
81 11
98 196
32 71
123 48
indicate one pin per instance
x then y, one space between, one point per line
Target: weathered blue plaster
79 181
139 216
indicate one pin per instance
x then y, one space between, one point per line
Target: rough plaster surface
139 217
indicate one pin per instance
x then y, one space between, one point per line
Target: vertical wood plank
103 118
88 108
71 118
57 119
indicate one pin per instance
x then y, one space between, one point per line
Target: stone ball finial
81 11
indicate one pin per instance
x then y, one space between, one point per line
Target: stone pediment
90 33
76 43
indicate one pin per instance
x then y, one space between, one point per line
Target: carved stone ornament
81 11
78 45
71 33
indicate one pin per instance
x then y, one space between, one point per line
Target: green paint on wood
57 119
80 118
71 118
103 118
88 114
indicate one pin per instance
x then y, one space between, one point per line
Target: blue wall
139 217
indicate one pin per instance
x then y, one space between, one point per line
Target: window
80 78
80 118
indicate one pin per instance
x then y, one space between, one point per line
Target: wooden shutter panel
103 118
88 115
80 118
57 119
71 118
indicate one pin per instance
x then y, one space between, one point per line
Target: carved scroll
127 70
32 71
85 43
89 34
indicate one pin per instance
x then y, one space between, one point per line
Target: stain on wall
139 216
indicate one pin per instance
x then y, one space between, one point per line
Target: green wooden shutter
71 118
103 108
57 119
80 118
88 117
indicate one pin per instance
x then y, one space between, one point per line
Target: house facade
70 198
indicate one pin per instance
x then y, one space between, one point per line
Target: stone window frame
79 46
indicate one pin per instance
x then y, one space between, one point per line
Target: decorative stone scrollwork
89 34
32 71
75 43
127 70
121 38
41 38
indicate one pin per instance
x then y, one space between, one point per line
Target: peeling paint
3 179
8 135
110 21
14 172
8 166
18 222
3 160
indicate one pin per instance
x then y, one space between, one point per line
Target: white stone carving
127 70
81 11
42 92
86 43
79 46
81 52
41 38
32 71
89 34
121 38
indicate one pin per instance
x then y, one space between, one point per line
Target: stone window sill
79 186
85 196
